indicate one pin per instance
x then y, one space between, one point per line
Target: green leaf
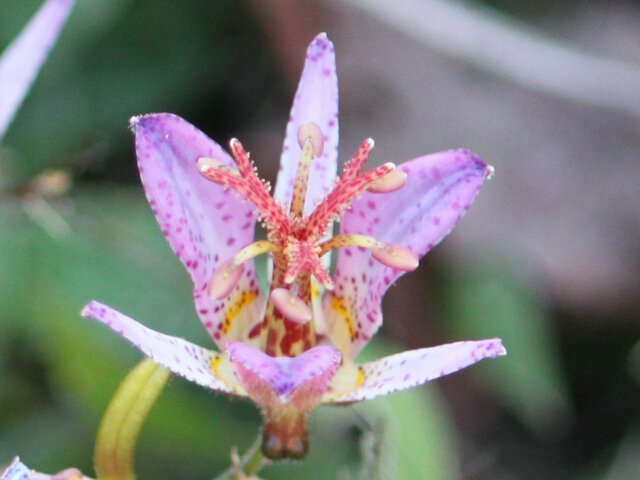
486 298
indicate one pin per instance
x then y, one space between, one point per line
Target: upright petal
196 364
415 367
204 223
21 61
316 101
439 190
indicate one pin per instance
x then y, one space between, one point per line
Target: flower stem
250 463
123 420
254 460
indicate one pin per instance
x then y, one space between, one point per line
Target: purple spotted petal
16 470
439 190
281 379
181 357
316 101
21 61
415 367
204 224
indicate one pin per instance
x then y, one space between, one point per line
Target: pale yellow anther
396 256
312 132
224 279
291 307
229 272
391 182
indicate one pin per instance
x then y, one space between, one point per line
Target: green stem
254 461
123 420
250 463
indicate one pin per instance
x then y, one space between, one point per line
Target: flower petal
196 364
204 223
21 61
286 389
415 367
16 470
270 380
439 189
316 101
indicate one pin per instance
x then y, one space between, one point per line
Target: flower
296 347
21 61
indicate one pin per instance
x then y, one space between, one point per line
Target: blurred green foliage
487 295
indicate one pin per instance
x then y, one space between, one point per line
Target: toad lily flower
295 348
21 61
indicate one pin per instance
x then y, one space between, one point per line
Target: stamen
389 254
389 183
351 240
255 249
228 274
291 307
311 131
396 256
225 278
302 173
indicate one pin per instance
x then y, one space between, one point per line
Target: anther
389 183
313 132
224 279
396 256
291 307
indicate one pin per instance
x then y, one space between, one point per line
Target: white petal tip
87 310
492 348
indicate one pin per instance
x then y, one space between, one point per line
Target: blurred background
547 92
